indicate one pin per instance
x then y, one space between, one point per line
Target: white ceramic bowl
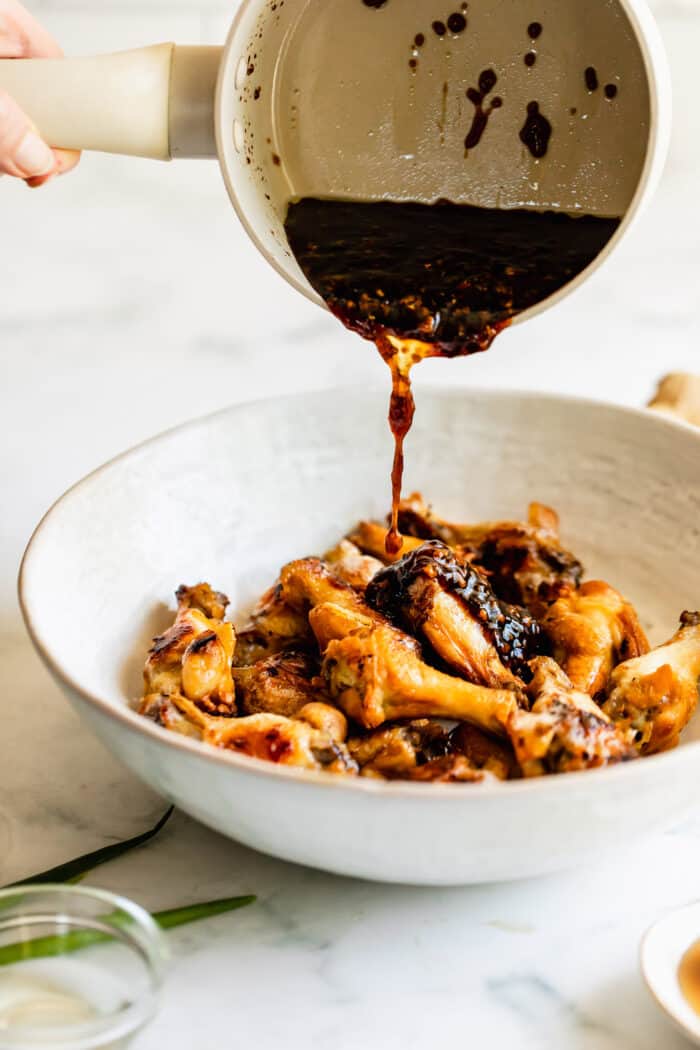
231 497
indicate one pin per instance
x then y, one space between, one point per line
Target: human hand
23 153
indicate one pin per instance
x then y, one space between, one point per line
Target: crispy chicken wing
330 622
484 751
201 597
288 742
591 630
162 710
352 566
452 607
656 694
376 675
280 685
525 560
273 628
194 656
332 606
394 751
309 582
325 718
370 537
274 738
565 730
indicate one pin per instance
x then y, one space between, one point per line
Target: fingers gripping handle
155 102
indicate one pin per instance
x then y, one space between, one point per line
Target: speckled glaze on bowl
229 498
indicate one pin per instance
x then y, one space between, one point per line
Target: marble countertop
130 301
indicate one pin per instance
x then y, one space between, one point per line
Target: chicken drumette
452 607
565 730
591 630
193 657
313 739
655 695
376 675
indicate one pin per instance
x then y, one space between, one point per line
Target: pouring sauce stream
434 280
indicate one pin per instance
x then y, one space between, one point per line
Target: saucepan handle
154 102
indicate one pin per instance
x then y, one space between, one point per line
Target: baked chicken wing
309 582
452 607
279 685
655 695
330 622
304 741
376 675
565 730
484 751
591 630
370 537
193 657
352 566
274 627
394 751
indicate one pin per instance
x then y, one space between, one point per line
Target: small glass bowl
79 968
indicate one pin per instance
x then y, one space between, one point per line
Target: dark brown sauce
534 30
374 3
689 976
536 131
591 78
530 58
477 96
456 23
610 91
437 280
439 28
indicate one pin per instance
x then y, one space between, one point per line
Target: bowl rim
129 719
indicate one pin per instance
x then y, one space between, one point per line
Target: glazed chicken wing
376 675
655 695
280 685
452 607
525 561
565 730
591 630
194 656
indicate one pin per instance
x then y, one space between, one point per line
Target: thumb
23 153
